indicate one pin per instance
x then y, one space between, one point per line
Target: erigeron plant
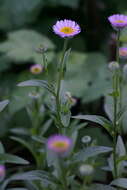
63 162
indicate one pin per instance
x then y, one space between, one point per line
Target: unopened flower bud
72 100
41 49
113 66
86 170
2 172
34 95
123 52
86 139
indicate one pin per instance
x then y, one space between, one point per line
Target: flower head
2 172
59 144
118 21
123 52
36 69
66 28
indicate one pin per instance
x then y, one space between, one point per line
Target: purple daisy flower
66 28
118 21
2 172
36 69
123 52
59 144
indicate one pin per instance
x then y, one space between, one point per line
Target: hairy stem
116 95
58 102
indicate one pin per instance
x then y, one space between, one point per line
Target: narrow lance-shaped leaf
97 119
17 188
120 182
3 104
9 158
90 152
39 83
29 176
102 187
65 60
25 144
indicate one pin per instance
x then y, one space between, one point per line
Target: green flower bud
113 66
86 170
86 139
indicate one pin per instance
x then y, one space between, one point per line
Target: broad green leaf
20 99
17 189
24 13
3 104
97 119
120 182
20 46
102 187
13 15
87 73
9 158
90 152
39 83
72 4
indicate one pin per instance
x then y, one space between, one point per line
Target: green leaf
1 148
24 13
72 4
86 74
9 158
120 147
42 176
20 46
121 158
17 188
65 118
102 187
46 126
121 151
3 104
97 119
20 99
39 83
120 182
65 59
25 144
90 152
13 15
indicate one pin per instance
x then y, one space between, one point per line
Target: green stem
62 174
115 127
58 102
116 91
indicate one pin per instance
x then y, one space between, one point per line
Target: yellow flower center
67 30
119 21
61 145
36 70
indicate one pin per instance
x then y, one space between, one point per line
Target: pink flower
66 28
